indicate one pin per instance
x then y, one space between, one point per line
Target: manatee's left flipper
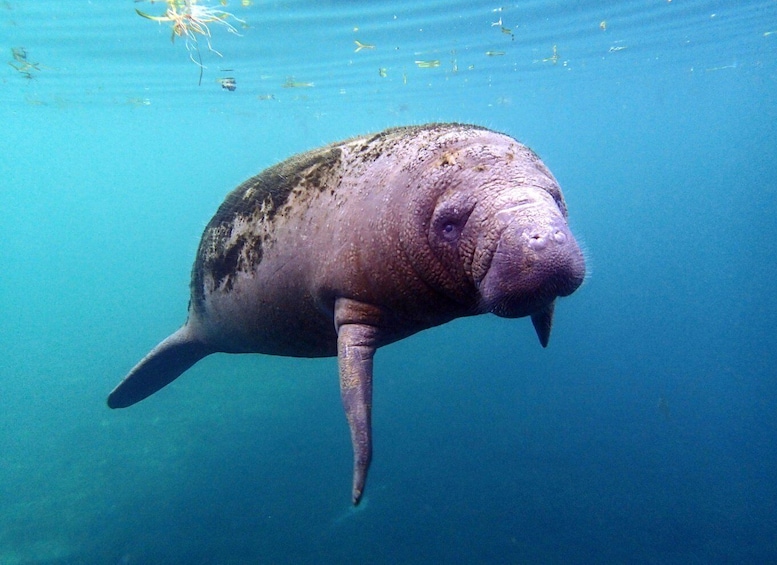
542 321
159 368
356 343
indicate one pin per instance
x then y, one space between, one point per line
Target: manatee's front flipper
542 321
356 343
160 367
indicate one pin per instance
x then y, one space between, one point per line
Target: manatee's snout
535 261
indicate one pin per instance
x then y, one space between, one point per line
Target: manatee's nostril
538 241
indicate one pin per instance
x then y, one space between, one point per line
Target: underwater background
645 433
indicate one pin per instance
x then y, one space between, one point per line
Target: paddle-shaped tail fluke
166 362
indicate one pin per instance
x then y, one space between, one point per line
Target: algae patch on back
236 237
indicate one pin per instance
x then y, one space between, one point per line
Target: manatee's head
527 257
499 227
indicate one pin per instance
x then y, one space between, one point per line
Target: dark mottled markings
233 239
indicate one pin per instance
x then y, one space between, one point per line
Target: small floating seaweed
138 101
228 83
361 46
553 58
291 83
428 64
189 20
21 63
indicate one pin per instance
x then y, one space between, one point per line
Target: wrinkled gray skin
358 244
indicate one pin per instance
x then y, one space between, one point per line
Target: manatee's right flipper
166 362
356 344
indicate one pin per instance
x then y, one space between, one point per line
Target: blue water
645 433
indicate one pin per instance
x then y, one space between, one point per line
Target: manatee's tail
165 363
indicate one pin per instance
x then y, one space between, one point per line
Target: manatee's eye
449 221
450 231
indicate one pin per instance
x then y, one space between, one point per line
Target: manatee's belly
270 315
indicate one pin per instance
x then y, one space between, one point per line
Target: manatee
358 244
